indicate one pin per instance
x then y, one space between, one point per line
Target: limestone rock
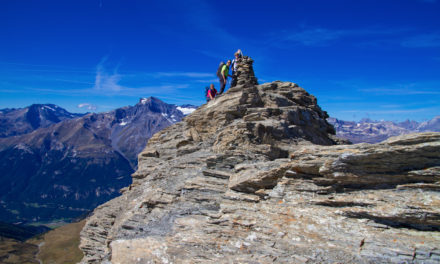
256 176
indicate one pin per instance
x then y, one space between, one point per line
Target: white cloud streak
324 37
321 37
395 111
183 74
404 91
87 106
108 83
423 41
104 81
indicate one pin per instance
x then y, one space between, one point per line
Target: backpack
206 91
220 69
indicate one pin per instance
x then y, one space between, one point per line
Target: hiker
212 92
223 76
238 54
234 62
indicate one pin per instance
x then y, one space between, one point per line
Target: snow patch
61 187
48 107
172 121
144 100
167 118
23 147
123 123
186 110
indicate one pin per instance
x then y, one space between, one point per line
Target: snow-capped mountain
370 131
24 120
67 168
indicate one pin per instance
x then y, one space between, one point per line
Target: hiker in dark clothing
234 66
224 73
212 92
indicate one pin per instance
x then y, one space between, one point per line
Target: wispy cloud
422 41
72 81
400 91
87 106
319 36
211 54
104 81
207 81
394 111
316 36
378 37
183 74
110 82
429 87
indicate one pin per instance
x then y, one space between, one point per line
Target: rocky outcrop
257 176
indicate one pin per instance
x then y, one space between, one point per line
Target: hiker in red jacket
212 92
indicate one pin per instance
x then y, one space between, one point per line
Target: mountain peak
24 120
256 175
147 100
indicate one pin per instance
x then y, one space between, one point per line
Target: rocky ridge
257 176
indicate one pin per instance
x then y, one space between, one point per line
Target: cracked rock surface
257 176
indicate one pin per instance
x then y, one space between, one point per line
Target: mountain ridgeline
59 165
25 120
257 176
370 131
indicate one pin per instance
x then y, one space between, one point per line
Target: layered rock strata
257 176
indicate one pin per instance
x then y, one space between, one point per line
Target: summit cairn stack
244 76
257 176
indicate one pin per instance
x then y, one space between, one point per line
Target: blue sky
363 58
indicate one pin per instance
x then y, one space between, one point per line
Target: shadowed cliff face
256 175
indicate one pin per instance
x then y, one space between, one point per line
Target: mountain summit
257 176
24 120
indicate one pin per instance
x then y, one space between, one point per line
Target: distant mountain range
370 131
25 120
55 165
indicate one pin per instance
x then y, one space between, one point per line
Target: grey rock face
257 176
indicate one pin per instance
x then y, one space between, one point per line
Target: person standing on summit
224 73
234 67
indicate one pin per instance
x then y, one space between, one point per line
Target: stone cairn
244 76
